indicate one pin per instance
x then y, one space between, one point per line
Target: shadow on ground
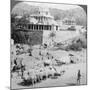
71 84
25 84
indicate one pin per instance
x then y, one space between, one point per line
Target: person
15 61
78 77
40 53
22 68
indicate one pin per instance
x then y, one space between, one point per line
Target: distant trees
13 18
23 21
18 20
15 22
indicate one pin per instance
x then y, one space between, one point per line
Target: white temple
42 20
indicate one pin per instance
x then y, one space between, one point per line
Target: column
39 27
43 27
49 27
33 27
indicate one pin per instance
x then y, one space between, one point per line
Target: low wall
60 36
39 37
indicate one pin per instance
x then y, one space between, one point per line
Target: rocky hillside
78 13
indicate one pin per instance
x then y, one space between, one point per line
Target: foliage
15 22
23 21
52 35
78 44
30 38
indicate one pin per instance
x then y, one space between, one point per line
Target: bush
76 47
77 44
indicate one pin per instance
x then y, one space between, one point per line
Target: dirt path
68 79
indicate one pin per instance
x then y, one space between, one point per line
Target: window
28 26
37 27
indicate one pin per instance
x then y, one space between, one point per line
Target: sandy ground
69 78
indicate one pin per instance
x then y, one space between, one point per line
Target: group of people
21 67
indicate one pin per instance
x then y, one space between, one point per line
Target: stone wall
27 37
60 36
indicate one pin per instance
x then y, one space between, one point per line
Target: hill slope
78 13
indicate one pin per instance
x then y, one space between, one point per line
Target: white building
42 21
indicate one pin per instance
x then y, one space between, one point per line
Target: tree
13 24
52 35
30 45
13 18
23 21
16 21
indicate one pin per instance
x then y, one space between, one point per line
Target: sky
58 6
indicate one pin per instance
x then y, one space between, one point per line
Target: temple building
69 21
42 21
33 32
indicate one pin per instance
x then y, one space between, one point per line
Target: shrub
77 44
